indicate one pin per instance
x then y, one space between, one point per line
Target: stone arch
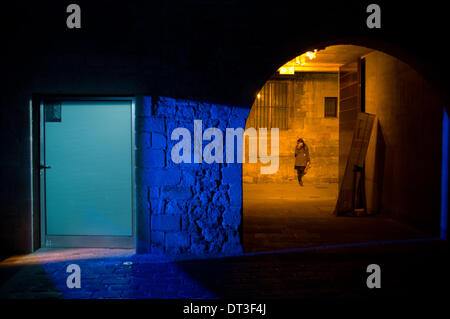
400 53
431 120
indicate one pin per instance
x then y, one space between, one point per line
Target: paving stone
335 273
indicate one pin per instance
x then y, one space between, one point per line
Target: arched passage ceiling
328 59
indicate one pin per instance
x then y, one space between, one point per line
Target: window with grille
331 107
270 109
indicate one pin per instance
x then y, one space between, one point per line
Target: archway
317 96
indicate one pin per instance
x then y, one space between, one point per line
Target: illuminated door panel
88 187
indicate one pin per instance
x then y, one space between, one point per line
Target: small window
52 111
331 107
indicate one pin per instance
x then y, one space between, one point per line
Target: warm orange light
258 96
302 58
287 70
311 54
64 254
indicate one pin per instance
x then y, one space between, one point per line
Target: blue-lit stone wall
186 208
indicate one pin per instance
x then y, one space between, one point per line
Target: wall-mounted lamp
287 70
302 58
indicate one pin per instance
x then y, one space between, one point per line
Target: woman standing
302 160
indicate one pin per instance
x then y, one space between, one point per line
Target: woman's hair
300 140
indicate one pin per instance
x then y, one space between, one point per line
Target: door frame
40 238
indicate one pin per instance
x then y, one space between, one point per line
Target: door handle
44 166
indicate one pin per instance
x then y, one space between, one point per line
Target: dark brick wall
188 207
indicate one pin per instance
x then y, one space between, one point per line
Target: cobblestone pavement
408 269
285 216
294 248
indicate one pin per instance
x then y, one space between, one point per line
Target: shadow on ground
409 270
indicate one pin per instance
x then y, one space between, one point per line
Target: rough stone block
236 122
232 218
220 111
231 248
165 106
232 174
148 103
173 123
240 112
166 223
203 110
209 232
173 251
157 206
176 192
154 192
150 124
143 140
159 177
184 222
157 249
175 223
214 175
142 204
199 249
149 158
188 177
235 194
157 237
185 110
142 193
158 141
220 198
144 106
173 208
177 240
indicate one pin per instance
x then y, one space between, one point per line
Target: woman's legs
300 173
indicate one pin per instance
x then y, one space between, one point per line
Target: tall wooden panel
347 199
350 88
